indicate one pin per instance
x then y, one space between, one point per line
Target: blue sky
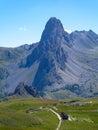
22 21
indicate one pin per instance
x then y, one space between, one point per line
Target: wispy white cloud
67 30
22 28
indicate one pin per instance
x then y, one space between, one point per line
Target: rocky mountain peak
60 64
53 28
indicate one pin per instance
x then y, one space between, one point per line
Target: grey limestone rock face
59 63
25 90
50 54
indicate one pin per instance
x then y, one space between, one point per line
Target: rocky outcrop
26 91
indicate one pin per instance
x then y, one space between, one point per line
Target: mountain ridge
59 61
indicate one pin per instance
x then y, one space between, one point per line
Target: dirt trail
58 116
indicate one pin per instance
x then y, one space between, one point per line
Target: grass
13 115
77 125
85 115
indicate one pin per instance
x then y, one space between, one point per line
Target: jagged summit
49 54
25 90
59 62
53 28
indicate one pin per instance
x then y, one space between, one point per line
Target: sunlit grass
13 115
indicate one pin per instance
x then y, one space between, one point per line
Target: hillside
60 65
39 114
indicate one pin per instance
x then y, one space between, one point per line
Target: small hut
64 116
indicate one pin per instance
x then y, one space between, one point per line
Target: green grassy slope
84 114
31 114
13 115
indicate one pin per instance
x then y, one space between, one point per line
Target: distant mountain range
60 65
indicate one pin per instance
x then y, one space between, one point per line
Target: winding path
58 116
